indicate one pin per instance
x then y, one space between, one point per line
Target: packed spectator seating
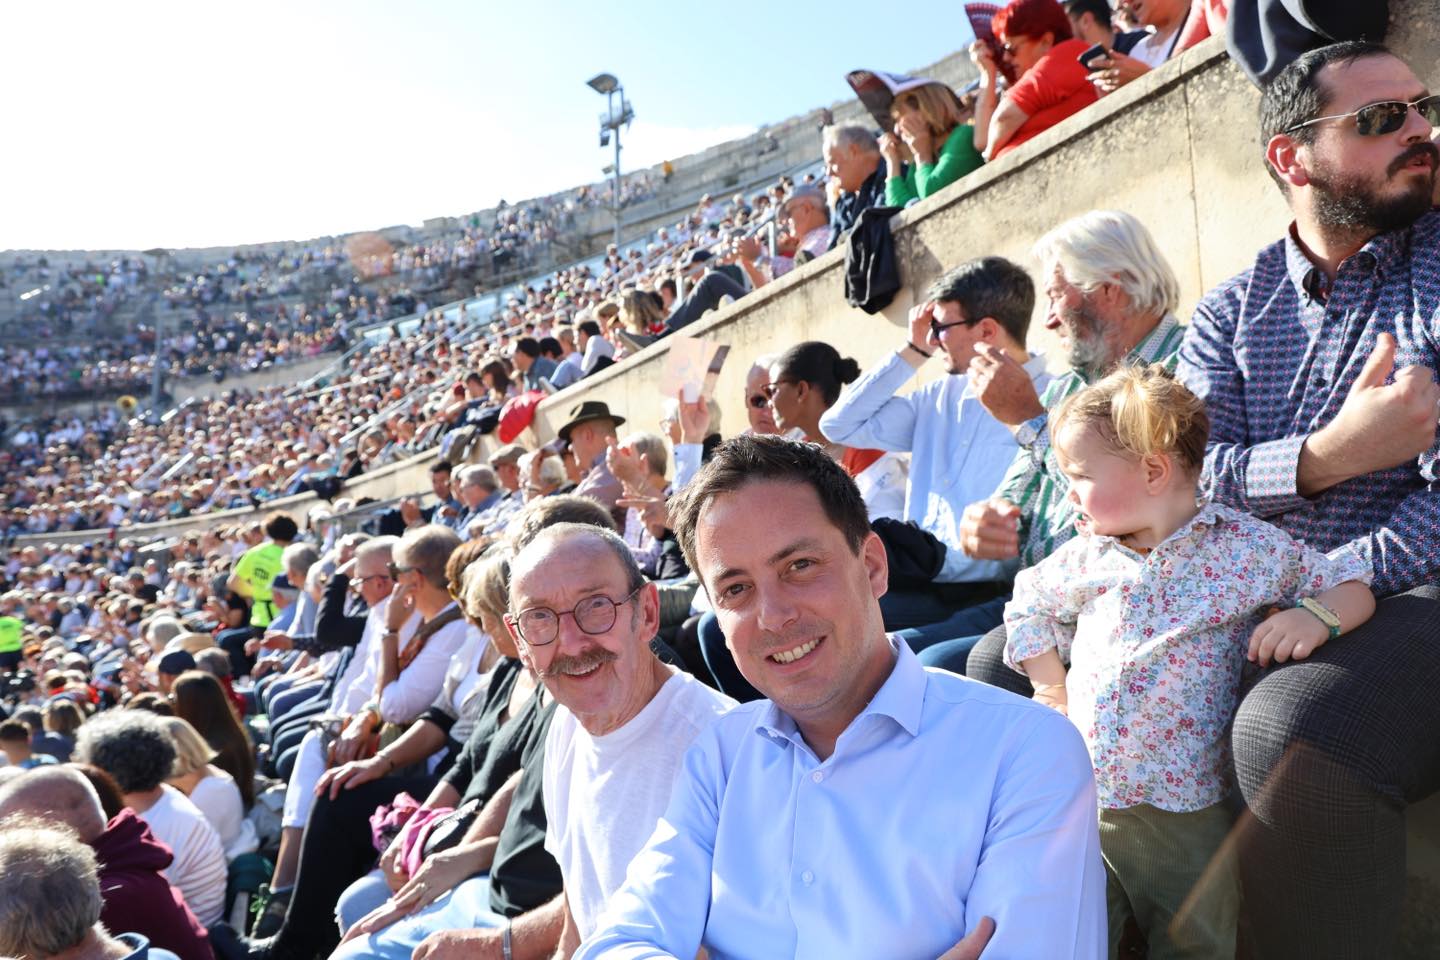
650 689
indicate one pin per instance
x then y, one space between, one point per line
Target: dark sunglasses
937 328
395 570
1387 116
757 400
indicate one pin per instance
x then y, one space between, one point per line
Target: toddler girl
1155 606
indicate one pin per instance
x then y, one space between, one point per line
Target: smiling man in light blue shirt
869 807
958 451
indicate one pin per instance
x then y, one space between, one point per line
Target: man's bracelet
924 353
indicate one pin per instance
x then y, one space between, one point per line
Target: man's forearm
389 661
493 813
535 935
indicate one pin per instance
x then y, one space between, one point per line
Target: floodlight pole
607 84
616 131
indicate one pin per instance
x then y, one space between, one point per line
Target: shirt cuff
687 463
1272 477
910 357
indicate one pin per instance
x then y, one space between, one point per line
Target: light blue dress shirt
958 452
945 800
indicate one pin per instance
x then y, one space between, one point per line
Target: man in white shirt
870 807
584 617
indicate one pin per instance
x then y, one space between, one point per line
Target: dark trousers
1328 752
336 851
706 295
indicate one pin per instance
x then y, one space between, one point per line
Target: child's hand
1288 635
1053 695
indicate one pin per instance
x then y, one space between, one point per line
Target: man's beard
1090 353
1351 204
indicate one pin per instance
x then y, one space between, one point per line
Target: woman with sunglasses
1050 82
805 382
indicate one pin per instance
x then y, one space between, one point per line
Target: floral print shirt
1156 643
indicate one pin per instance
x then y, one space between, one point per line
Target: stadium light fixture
608 86
603 83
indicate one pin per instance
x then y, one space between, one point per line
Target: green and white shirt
1035 482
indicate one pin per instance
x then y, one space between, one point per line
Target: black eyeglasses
539 626
358 582
1387 116
757 400
937 328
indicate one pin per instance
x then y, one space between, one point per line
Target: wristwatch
1028 432
1322 613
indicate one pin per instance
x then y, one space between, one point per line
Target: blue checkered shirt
1273 354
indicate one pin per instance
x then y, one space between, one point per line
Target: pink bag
415 833
389 819
406 823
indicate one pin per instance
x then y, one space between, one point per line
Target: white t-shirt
1153 49
604 795
218 797
199 868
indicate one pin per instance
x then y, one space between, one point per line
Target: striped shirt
1273 355
1035 482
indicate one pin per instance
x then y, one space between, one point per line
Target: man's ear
1283 155
877 564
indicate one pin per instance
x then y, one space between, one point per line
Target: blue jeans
464 908
946 643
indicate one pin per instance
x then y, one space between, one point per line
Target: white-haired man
1111 299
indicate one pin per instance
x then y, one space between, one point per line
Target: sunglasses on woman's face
1387 116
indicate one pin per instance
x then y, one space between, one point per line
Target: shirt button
817 776
807 878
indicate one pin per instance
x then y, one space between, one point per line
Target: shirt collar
1207 516
901 698
1380 253
1150 345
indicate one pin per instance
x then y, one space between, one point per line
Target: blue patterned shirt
1273 356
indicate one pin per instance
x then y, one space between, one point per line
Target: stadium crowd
256 308
649 689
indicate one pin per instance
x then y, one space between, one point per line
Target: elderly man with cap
805 218
505 463
589 431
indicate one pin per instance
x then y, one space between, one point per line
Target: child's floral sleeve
1046 603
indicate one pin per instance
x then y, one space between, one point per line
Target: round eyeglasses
539 626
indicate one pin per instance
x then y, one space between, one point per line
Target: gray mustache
583 663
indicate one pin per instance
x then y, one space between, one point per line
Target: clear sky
159 123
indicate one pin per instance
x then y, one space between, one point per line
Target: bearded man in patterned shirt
1317 367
